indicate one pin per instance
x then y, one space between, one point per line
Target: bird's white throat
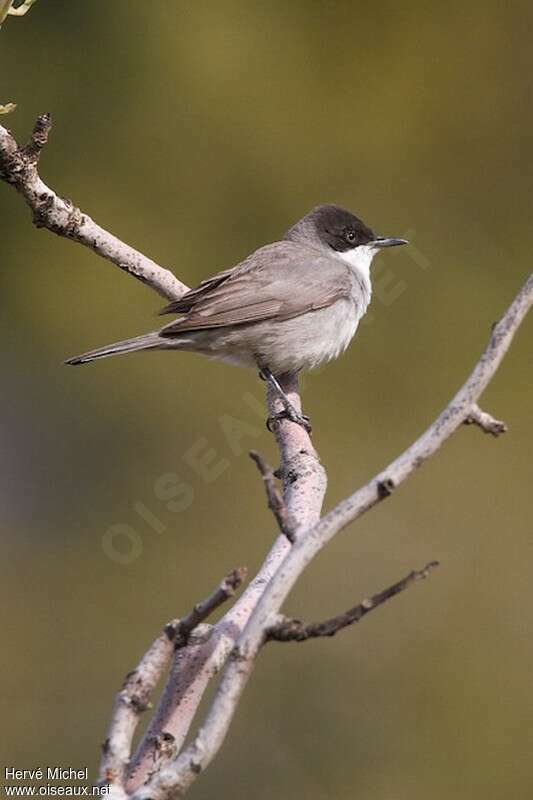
360 259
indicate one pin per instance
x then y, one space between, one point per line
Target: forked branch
134 697
176 777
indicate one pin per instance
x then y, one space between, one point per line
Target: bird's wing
281 281
188 300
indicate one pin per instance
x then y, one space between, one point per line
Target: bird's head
336 230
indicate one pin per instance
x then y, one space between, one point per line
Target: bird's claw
291 414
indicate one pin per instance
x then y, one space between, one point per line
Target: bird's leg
289 412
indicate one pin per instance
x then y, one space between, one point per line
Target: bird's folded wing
188 300
277 282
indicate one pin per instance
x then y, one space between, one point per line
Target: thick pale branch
176 778
286 629
192 669
304 481
275 501
134 697
130 702
18 167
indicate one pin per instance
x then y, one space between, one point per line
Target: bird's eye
350 236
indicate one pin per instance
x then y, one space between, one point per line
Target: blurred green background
196 132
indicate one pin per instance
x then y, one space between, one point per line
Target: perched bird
290 305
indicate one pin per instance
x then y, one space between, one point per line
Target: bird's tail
146 342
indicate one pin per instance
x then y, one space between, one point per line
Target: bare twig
226 589
18 167
485 421
39 138
293 630
276 503
139 684
176 777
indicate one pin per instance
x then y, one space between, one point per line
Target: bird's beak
388 241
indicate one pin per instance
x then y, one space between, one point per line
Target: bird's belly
306 341
302 342
319 336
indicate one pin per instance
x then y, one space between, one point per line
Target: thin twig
293 630
201 611
276 503
485 421
38 139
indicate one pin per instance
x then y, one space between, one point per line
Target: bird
289 306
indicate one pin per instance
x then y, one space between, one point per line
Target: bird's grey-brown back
290 305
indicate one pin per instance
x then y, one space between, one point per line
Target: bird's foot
290 413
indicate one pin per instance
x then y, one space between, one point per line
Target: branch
226 589
484 421
18 167
139 684
178 776
275 501
130 702
293 630
20 11
304 487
